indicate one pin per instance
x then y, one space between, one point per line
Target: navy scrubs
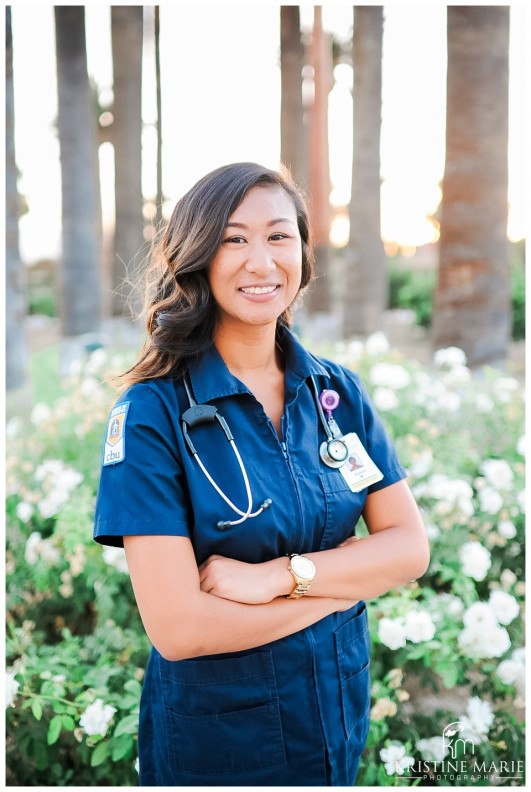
294 711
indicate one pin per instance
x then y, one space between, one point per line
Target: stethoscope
333 451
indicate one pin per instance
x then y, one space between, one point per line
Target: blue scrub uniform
294 711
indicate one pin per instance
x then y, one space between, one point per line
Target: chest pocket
222 715
343 508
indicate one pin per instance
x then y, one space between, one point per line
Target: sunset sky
221 103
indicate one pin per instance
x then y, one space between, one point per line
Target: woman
242 557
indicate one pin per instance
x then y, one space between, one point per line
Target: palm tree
291 111
81 311
472 297
127 36
318 165
366 273
15 292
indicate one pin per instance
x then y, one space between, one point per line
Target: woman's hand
252 584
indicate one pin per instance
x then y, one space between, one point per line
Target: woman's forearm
215 625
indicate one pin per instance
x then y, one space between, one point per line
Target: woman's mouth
260 289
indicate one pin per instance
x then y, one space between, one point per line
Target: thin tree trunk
291 113
81 308
318 299
366 273
127 38
160 195
472 298
16 350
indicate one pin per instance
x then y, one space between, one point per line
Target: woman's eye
276 237
236 239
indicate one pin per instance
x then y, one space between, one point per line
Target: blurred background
405 125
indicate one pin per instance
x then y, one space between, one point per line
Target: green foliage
413 289
76 648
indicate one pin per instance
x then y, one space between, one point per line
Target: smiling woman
259 629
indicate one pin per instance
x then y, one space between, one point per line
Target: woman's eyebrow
232 224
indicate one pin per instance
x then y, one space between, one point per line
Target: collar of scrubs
211 379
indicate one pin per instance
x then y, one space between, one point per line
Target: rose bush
446 648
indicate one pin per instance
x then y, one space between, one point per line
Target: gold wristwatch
303 571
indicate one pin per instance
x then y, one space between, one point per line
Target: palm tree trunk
472 299
366 274
127 37
81 309
318 300
291 111
16 350
160 194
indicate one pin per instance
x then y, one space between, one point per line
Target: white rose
484 642
40 413
498 473
31 553
419 626
385 399
490 500
507 529
504 606
391 632
96 718
48 507
479 714
508 578
24 511
457 376
519 655
449 401
432 749
480 614
49 552
115 557
521 446
395 759
376 344
389 375
12 687
509 671
449 356
520 499
475 560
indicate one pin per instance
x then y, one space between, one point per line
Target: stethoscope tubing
207 413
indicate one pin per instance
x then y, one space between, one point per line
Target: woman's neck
252 350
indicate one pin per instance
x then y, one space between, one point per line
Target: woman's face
256 274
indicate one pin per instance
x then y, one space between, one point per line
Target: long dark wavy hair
180 311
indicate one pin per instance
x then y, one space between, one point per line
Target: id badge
359 471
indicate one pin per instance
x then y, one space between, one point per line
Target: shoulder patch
114 446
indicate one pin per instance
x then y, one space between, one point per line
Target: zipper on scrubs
288 461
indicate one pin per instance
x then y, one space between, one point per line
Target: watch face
303 567
337 450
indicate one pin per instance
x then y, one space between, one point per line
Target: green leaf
133 686
68 723
36 708
99 754
128 725
54 729
122 747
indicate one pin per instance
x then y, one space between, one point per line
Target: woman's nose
260 259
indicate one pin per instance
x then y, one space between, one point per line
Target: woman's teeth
258 289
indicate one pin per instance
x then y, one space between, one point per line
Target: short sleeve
379 445
144 492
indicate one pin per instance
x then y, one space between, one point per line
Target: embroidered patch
114 447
